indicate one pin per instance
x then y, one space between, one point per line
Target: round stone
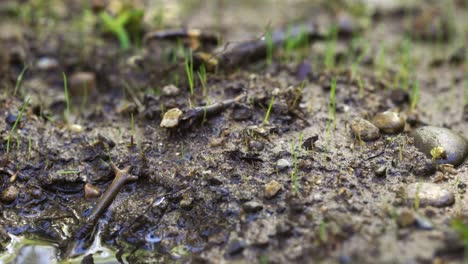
282 164
389 122
429 137
9 194
364 130
429 194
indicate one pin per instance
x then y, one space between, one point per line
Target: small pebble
235 247
252 206
381 171
46 63
171 118
423 223
186 202
282 164
406 218
75 128
9 194
271 189
170 90
389 122
91 191
364 130
241 113
429 137
429 194
256 145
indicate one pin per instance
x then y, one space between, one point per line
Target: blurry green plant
189 71
125 25
381 61
267 114
203 79
19 80
330 50
332 103
295 41
415 94
295 169
66 113
359 48
403 74
461 228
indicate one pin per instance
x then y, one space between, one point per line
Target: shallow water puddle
22 250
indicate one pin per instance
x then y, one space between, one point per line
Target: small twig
177 118
86 232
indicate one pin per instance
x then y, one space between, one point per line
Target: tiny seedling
62 172
332 104
267 114
203 79
297 94
357 43
438 153
66 114
415 93
13 129
19 80
294 42
323 231
382 61
416 196
189 72
330 50
401 147
29 146
295 169
361 87
132 124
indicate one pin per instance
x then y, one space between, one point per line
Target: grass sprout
415 94
267 114
13 129
332 104
203 79
295 169
330 50
19 80
67 99
189 71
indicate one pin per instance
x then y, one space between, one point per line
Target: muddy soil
290 172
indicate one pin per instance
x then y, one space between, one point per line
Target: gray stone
170 90
282 164
455 146
429 194
389 122
252 206
364 130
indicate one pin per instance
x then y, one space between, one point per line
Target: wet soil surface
315 162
